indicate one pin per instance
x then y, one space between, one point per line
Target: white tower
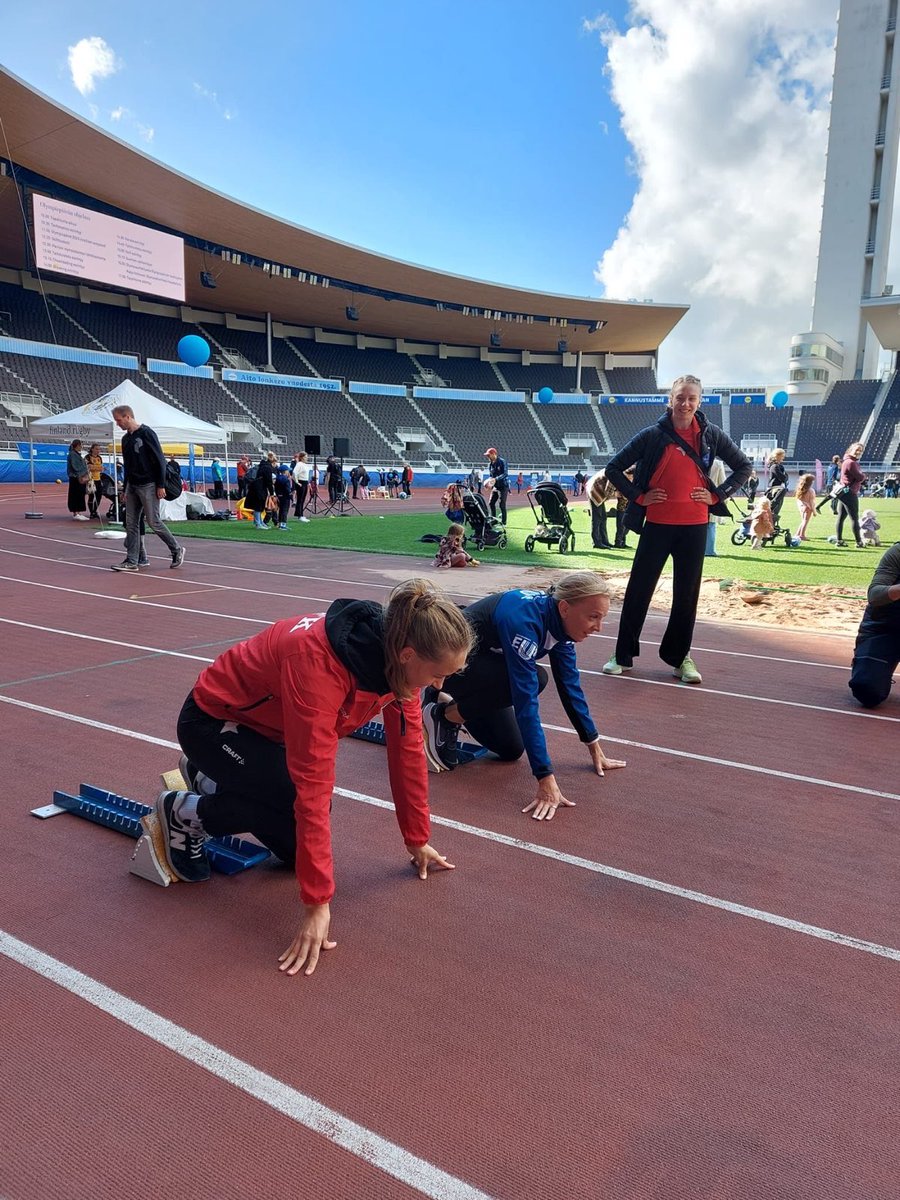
860 175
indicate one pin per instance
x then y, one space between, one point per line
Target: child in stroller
761 524
486 530
553 521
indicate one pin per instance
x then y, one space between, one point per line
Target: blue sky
554 146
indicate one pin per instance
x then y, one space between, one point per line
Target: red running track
546 1021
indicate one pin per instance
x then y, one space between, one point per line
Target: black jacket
355 629
645 450
882 615
142 458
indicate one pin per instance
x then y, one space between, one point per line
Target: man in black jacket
877 652
500 476
144 477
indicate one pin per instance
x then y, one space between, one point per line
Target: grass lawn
815 562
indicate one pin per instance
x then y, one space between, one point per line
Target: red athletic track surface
531 1026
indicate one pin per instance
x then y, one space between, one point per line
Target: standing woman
600 492
260 488
94 462
847 497
300 475
496 697
260 733
670 501
78 475
778 482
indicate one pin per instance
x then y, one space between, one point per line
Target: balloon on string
545 395
193 350
780 399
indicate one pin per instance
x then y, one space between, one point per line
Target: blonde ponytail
420 616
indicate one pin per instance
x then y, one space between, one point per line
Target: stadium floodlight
352 312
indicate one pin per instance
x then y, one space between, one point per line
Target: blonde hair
804 483
860 446
455 530
420 616
686 379
578 585
599 488
777 453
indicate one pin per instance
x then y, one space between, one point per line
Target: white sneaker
79 517
614 668
688 672
305 520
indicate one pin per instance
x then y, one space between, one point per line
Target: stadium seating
828 429
636 381
538 375
469 373
880 438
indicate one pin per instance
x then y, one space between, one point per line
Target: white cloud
118 113
89 60
204 93
725 104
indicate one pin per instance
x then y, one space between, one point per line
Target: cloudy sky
671 150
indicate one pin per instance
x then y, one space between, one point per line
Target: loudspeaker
341 448
207 279
312 444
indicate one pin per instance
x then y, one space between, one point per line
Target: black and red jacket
306 682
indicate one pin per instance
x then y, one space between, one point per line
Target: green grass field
815 562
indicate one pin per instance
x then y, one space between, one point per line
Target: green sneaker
614 668
687 672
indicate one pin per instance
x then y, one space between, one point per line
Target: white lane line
778 773
672 889
756 699
359 1141
87 637
767 658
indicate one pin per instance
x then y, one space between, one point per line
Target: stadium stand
469 373
509 427
560 419
829 429
538 375
758 421
334 361
879 440
623 421
23 314
636 381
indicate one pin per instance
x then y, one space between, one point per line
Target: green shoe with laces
687 672
614 668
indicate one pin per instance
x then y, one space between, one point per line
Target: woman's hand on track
309 942
423 857
601 762
548 799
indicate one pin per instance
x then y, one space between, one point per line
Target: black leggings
848 506
484 699
254 794
300 490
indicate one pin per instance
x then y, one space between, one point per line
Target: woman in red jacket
260 733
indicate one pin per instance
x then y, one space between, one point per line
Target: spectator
717 474
778 482
364 480
300 476
600 492
334 479
260 489
260 732
832 477
500 477
520 480
847 496
94 461
242 465
869 526
283 490
406 479
877 653
392 481
497 694
806 504
752 485
144 472
669 504
890 486
78 476
354 481
218 477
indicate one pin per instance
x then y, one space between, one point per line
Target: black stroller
552 517
742 534
486 530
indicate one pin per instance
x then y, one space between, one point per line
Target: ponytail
420 616
578 585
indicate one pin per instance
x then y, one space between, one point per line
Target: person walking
498 473
851 482
260 732
78 476
143 474
832 475
670 501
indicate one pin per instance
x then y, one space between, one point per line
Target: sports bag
172 481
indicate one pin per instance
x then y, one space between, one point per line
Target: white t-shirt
301 472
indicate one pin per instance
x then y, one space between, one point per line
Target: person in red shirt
670 502
260 733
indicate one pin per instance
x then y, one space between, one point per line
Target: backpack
172 481
251 474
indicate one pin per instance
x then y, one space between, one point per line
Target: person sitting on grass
496 697
868 527
260 732
451 552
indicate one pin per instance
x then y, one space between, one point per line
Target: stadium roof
49 140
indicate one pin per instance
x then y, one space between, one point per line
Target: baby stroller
107 490
552 517
742 533
486 530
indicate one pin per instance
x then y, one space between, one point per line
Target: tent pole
116 475
227 478
33 515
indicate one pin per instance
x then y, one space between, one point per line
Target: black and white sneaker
441 738
182 841
199 784
178 557
124 566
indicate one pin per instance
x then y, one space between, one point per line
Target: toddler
868 527
805 496
450 551
762 524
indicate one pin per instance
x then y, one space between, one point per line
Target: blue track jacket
526 626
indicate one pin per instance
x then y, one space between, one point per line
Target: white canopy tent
94 420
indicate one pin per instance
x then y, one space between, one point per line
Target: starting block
227 855
373 731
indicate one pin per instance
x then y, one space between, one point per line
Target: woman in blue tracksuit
496 696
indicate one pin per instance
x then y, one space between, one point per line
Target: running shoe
615 668
688 672
441 738
124 566
178 557
182 840
199 784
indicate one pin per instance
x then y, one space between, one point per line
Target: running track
685 987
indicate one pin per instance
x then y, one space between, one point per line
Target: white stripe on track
87 637
671 889
356 1139
767 658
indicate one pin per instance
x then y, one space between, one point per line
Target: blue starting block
373 731
227 855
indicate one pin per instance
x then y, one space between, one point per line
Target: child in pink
450 551
805 496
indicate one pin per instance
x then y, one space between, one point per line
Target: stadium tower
860 175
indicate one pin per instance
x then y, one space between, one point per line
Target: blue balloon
779 400
193 350
545 395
